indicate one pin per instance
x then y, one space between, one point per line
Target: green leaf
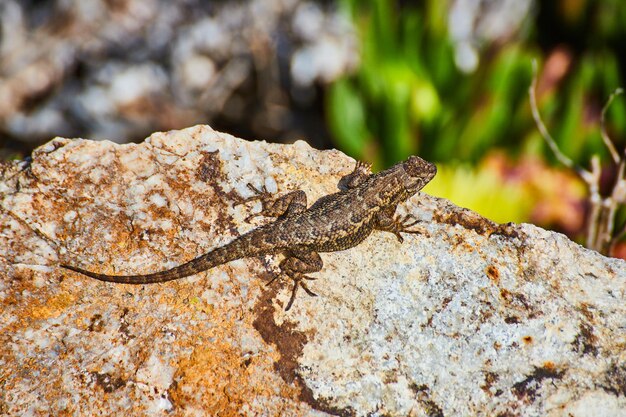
346 118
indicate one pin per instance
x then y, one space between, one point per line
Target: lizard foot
257 194
403 224
362 171
363 167
297 282
292 203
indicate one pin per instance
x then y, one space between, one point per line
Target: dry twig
601 217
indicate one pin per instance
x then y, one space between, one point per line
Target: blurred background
377 79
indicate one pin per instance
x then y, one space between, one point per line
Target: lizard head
419 173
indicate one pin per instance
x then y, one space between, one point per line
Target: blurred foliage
408 96
519 191
505 203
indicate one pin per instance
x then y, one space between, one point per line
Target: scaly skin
335 222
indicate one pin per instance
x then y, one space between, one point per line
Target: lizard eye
419 171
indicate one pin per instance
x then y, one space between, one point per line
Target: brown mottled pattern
335 222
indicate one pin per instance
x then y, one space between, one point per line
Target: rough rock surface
468 318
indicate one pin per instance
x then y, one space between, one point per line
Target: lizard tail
214 258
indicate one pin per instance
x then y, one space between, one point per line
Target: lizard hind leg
296 266
271 206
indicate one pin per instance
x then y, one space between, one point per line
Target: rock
467 318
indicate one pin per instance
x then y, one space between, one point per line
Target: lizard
365 202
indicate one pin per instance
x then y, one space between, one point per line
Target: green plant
409 97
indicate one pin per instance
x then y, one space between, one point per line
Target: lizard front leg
387 221
293 202
295 266
357 177
362 170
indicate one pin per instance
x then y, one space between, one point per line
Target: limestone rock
467 318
